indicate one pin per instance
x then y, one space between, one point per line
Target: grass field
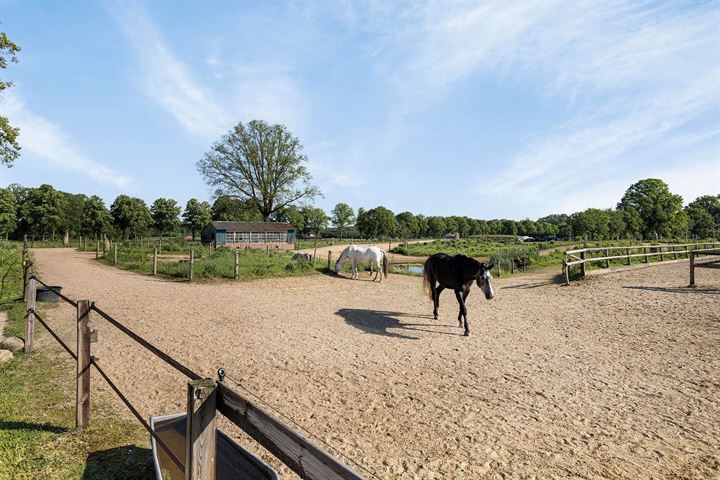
211 263
38 438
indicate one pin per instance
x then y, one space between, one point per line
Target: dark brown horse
443 271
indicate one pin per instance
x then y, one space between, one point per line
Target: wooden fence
715 263
670 251
205 398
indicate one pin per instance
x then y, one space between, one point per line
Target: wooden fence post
30 314
583 265
607 254
329 258
97 249
200 434
627 252
646 254
692 269
661 254
26 278
191 264
236 271
82 404
155 262
674 251
115 254
566 271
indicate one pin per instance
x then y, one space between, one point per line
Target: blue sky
487 110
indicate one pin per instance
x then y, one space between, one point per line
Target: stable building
277 235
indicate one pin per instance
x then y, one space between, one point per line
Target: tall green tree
165 213
702 223
230 209
709 203
341 217
131 216
96 218
196 216
657 206
73 212
43 209
408 224
261 163
8 213
9 147
376 222
293 216
315 219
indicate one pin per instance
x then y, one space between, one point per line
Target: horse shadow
379 322
128 462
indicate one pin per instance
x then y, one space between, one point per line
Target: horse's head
338 266
484 280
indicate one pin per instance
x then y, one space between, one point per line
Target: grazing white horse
365 255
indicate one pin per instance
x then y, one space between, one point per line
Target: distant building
278 235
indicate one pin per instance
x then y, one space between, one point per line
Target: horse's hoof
466 334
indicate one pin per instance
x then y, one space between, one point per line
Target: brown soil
614 377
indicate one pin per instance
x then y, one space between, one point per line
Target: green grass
536 255
38 438
214 264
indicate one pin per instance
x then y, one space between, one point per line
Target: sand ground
614 377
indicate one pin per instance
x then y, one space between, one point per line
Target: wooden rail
694 264
581 256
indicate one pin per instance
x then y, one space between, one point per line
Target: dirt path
616 377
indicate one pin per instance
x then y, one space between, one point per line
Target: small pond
408 268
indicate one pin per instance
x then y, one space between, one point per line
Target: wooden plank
155 260
191 264
82 397
200 447
294 450
583 265
30 315
236 268
692 269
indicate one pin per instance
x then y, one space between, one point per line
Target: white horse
365 255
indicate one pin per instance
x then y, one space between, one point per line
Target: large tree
196 215
709 203
376 222
43 209
261 163
165 214
131 216
96 218
9 147
658 207
408 224
8 212
315 219
341 217
230 209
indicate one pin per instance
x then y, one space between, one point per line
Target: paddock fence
661 253
205 398
714 263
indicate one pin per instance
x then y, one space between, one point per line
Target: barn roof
248 227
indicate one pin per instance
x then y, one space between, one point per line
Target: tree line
648 210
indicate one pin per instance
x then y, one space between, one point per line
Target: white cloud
170 82
249 91
47 141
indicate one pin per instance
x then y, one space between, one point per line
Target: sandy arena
614 377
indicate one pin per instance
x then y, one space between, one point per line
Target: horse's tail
427 280
385 264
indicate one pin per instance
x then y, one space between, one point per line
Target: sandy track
616 377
